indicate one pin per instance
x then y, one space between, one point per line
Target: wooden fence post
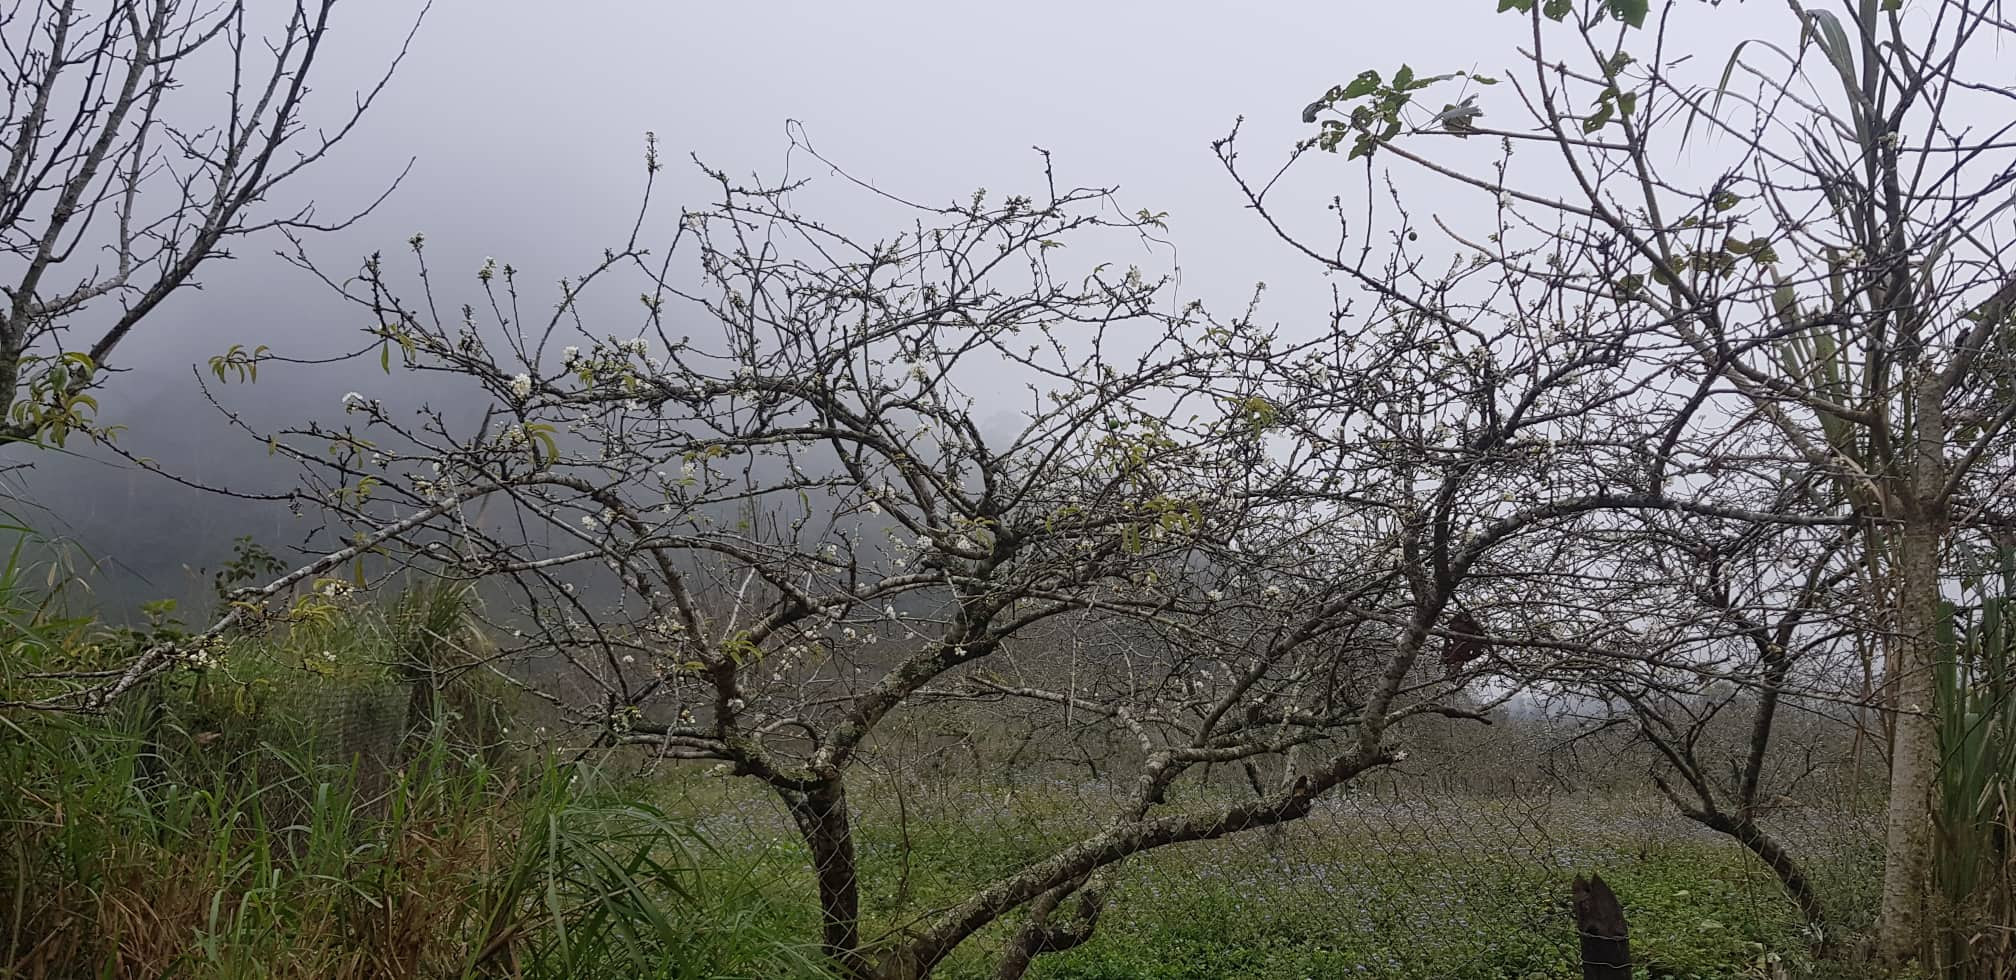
1599 919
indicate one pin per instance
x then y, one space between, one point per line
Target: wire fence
1452 868
1459 864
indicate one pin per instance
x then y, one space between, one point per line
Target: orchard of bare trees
1667 394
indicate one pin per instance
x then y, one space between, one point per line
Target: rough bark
1041 933
822 819
1791 876
1914 751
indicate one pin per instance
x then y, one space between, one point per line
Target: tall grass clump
1975 862
222 827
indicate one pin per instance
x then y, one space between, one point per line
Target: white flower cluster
200 658
521 387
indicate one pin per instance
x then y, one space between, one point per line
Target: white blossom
570 355
521 386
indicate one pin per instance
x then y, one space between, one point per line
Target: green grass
301 811
1445 889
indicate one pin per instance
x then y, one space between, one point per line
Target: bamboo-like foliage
1975 863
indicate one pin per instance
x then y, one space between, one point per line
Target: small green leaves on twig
1377 120
1631 12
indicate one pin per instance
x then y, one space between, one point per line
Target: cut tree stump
1599 919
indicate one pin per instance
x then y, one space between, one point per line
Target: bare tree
1831 296
801 498
1635 437
109 204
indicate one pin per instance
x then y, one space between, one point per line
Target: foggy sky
525 122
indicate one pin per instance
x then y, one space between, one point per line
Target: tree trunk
824 822
1043 933
1790 876
1914 749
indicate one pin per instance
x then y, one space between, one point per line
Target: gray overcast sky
526 119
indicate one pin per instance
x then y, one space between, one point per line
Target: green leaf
1523 6
1631 12
385 357
1827 32
1787 302
1557 9
1627 102
1363 85
1598 119
1404 78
